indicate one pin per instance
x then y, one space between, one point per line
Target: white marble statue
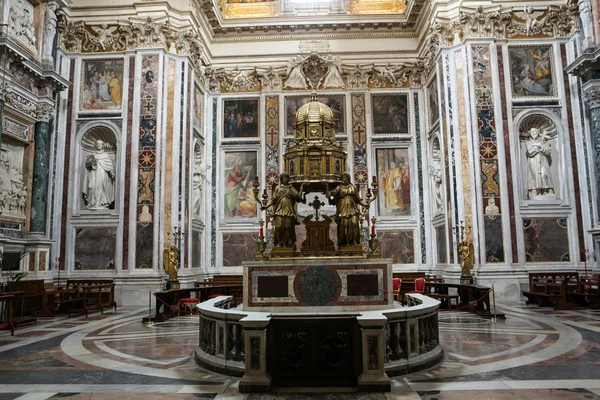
435 170
587 24
197 183
295 76
49 32
99 180
538 152
334 76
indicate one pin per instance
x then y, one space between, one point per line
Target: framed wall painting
394 175
390 114
531 71
101 85
198 112
241 118
433 104
239 170
337 103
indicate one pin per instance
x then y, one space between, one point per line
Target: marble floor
534 354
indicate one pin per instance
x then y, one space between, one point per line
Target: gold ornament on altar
316 163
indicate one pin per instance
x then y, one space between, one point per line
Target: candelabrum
261 245
373 241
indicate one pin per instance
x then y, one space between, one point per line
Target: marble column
373 377
591 93
40 195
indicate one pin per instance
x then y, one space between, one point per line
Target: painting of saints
393 168
531 71
240 169
101 86
390 114
240 118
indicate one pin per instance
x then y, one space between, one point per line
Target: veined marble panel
546 240
238 247
95 248
398 245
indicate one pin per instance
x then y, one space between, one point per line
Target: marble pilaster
591 93
373 377
256 378
39 199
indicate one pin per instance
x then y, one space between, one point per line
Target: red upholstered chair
419 286
396 284
187 303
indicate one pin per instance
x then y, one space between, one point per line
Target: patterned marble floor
534 354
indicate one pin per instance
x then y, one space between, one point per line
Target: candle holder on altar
373 241
261 245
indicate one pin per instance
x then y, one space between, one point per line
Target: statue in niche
197 182
283 201
347 216
296 78
99 181
536 133
49 32
435 170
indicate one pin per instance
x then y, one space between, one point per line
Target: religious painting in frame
337 103
198 112
241 118
531 71
390 114
101 86
433 103
393 173
239 170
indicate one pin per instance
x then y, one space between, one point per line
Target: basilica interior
143 146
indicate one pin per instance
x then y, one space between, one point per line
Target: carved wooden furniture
550 289
408 280
6 311
396 283
221 285
91 294
166 301
468 295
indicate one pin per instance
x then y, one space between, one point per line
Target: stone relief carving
80 37
16 129
314 46
13 191
98 189
295 75
50 22
537 133
238 80
21 104
20 22
271 79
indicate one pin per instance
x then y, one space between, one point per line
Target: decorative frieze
79 37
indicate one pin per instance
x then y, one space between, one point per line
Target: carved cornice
79 37
317 73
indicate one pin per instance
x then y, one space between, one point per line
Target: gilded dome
314 111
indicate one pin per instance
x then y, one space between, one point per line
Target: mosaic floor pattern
533 354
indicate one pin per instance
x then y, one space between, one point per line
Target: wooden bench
585 292
445 298
549 289
91 294
231 285
6 311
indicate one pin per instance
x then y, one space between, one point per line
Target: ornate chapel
141 139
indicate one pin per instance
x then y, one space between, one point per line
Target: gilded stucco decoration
79 37
250 9
376 6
